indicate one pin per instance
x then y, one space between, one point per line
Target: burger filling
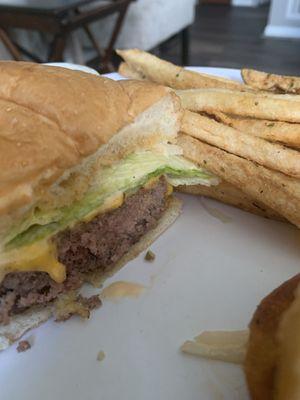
95 245
49 250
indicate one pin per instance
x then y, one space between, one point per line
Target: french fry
126 71
278 191
229 194
227 346
271 82
256 105
168 74
274 131
271 155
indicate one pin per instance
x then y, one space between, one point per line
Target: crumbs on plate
149 256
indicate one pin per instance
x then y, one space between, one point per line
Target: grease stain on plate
120 289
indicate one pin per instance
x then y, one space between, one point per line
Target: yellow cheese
169 190
40 256
111 203
151 183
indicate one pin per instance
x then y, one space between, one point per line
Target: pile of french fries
247 133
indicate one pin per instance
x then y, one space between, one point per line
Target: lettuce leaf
129 174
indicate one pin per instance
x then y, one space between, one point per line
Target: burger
87 166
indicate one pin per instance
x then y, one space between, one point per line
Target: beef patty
96 245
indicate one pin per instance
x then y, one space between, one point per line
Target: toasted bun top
51 118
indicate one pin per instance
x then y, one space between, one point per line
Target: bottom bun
35 316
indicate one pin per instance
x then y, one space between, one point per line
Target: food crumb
23 345
100 356
149 256
91 303
73 304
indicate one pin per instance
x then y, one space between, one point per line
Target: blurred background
260 34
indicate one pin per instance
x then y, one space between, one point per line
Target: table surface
42 6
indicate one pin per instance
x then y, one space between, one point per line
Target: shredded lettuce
126 176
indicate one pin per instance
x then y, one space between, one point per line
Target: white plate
75 67
207 275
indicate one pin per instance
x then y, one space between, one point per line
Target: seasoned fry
227 346
168 74
229 194
257 105
274 131
271 82
128 72
278 191
271 155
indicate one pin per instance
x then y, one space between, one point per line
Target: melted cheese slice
42 255
111 203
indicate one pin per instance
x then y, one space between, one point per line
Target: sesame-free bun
54 121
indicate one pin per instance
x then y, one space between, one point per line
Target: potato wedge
271 82
276 107
271 155
274 131
263 352
227 346
278 191
287 385
168 74
128 72
229 194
